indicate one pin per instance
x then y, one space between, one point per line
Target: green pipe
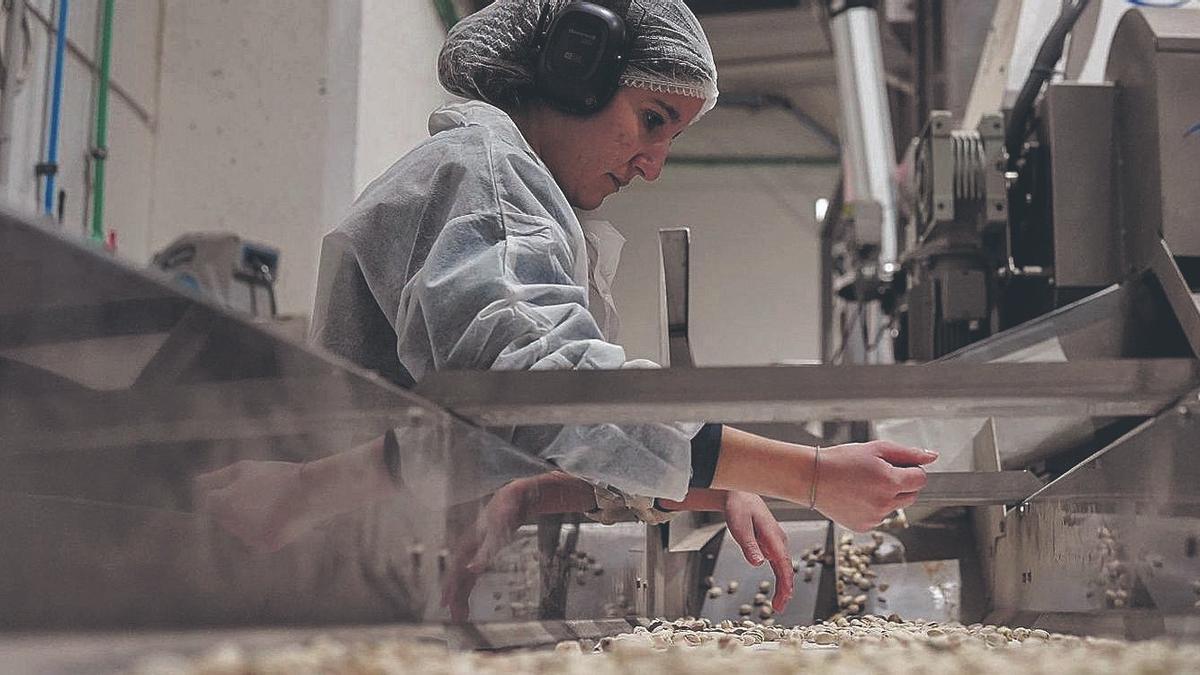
449 15
753 160
100 151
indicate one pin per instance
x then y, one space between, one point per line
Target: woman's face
595 156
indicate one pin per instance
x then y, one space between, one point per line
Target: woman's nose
650 161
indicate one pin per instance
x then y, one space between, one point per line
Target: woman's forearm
763 466
349 479
556 493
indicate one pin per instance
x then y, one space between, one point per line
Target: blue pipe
60 41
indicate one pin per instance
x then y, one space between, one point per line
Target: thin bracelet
812 491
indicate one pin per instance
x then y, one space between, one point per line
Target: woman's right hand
860 484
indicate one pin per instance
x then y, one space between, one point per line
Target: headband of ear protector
582 51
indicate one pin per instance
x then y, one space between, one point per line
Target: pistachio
568 647
825 638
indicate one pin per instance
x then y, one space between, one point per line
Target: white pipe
868 153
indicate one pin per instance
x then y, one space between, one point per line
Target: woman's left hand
478 543
756 531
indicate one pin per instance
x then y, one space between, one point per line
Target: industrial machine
168 464
240 274
1060 228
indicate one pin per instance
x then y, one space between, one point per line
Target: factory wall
243 108
755 298
260 117
287 110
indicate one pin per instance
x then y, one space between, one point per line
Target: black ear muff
582 54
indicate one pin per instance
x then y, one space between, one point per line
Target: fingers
905 500
900 455
457 596
910 479
741 527
785 582
492 543
460 581
775 545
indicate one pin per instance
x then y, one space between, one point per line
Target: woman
467 253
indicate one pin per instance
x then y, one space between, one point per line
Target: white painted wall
397 85
755 294
242 116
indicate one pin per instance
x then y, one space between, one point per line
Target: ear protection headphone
581 53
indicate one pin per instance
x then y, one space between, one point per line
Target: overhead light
821 207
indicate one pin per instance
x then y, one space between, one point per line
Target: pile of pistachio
869 629
868 644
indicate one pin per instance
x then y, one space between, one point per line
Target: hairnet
491 54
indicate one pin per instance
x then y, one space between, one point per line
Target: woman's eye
654 120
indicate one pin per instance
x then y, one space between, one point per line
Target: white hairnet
490 55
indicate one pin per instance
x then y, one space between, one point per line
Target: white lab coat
465 254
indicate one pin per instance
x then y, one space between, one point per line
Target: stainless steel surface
930 589
1080 128
762 394
1148 316
619 551
1155 63
868 156
1180 298
166 488
1115 538
978 488
675 255
730 565
670 567
987 520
